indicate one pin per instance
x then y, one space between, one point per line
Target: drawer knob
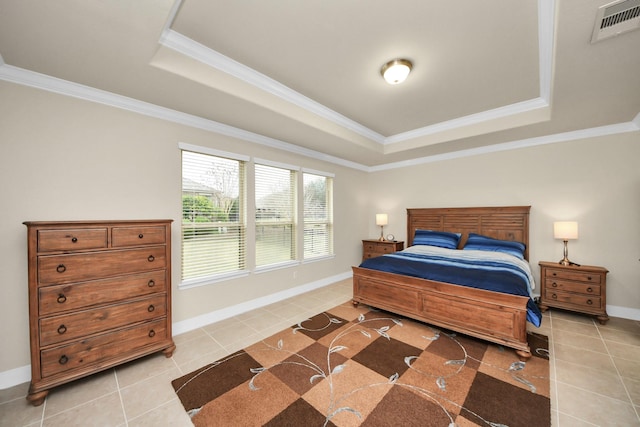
150 308
74 239
63 360
589 289
151 283
554 273
554 296
140 236
152 333
150 258
554 284
61 299
61 268
588 277
62 329
589 302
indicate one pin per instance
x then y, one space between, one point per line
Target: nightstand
374 248
577 288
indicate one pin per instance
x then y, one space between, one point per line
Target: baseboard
227 312
623 312
21 375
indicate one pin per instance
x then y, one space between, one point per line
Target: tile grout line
124 412
620 377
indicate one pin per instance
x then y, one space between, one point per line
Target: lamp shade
382 219
565 230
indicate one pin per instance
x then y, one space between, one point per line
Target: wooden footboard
492 316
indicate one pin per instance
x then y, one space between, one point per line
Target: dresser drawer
576 300
66 327
101 348
59 298
577 287
136 236
581 276
67 240
379 248
58 269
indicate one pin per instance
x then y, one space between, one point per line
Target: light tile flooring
595 371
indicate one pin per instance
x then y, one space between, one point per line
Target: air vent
616 18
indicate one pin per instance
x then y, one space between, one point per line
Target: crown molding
52 84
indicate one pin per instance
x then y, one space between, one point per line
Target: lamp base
566 262
382 239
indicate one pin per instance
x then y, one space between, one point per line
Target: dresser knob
152 333
554 273
63 360
150 258
589 289
61 268
588 277
61 299
62 329
554 284
151 283
150 308
140 236
589 302
554 296
74 239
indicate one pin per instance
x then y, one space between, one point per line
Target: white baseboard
21 375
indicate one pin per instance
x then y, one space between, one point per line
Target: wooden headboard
501 222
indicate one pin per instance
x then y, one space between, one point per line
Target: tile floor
595 371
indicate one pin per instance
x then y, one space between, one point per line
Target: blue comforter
492 271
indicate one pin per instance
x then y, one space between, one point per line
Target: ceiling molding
439 132
192 49
52 84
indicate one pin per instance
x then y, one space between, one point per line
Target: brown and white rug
358 366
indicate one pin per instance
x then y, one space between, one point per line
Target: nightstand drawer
577 287
573 275
577 300
376 248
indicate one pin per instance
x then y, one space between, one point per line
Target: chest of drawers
99 296
578 288
374 248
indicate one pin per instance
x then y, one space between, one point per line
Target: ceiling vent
616 18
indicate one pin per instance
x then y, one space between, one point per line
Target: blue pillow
484 243
441 239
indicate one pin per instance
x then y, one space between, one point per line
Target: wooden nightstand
374 248
577 288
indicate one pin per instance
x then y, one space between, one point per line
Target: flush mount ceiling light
396 71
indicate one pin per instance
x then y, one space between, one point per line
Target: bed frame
492 316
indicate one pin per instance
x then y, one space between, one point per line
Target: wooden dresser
99 296
374 248
577 288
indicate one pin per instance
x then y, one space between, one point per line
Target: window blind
213 212
275 214
318 215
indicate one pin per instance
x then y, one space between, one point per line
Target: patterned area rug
358 366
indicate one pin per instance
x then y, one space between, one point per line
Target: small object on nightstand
374 248
578 288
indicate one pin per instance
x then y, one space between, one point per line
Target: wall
65 159
594 181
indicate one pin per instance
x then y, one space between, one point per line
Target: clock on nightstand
580 288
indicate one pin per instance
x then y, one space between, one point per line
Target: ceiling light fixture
396 71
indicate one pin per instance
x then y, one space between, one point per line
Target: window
318 215
213 212
275 190
230 201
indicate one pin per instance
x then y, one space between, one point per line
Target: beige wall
64 159
594 181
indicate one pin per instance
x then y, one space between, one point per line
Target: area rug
363 367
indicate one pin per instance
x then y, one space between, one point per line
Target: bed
494 316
